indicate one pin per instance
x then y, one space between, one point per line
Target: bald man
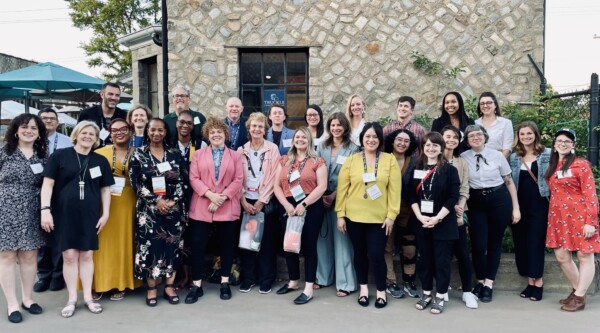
238 135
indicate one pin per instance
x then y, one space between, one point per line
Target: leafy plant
425 65
453 73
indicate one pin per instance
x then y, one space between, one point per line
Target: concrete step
507 279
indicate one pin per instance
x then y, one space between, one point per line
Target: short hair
139 106
217 123
345 123
259 117
277 106
408 99
80 126
519 148
116 120
49 110
456 151
475 128
348 113
435 138
389 141
493 97
179 86
110 84
378 131
320 126
40 145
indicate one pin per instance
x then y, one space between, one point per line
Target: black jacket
95 114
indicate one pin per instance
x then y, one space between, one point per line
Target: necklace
81 181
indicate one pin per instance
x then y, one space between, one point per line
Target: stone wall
9 63
360 46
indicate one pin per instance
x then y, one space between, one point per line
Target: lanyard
300 168
237 132
432 174
262 159
114 161
365 163
186 150
55 143
152 159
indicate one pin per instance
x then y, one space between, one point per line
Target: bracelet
45 207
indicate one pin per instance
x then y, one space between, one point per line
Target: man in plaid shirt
404 111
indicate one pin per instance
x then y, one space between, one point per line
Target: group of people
132 199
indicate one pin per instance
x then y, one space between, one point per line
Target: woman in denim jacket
529 162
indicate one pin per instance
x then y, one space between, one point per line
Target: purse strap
529 170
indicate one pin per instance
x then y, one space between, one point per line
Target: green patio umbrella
48 76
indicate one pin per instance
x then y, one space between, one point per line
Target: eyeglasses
563 142
122 130
180 96
49 119
312 115
475 135
486 103
183 123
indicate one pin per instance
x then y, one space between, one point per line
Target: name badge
341 159
295 175
95 172
565 174
159 186
117 188
420 174
287 143
298 193
104 134
37 168
368 177
196 121
373 192
427 206
252 184
163 167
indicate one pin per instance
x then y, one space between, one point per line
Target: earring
16 136
572 151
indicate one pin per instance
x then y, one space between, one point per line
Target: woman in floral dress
156 178
573 216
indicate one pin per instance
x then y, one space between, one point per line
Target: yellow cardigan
350 201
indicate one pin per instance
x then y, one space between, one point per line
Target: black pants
489 215
260 266
368 241
308 242
529 238
49 263
460 249
199 233
434 261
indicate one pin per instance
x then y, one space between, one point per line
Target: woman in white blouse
355 111
499 129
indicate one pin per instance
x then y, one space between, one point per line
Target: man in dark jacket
181 102
104 113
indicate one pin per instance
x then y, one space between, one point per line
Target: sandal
424 302
342 293
151 301
94 307
526 293
117 296
171 299
318 286
69 309
97 296
438 306
536 293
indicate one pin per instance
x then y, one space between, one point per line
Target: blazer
241 137
202 179
286 134
269 168
333 168
445 193
543 160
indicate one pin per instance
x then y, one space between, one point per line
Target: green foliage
109 19
425 65
384 121
424 119
471 106
453 73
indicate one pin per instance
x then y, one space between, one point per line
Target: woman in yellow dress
113 262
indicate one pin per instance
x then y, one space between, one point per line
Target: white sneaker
470 300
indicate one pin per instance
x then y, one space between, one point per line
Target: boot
576 303
566 300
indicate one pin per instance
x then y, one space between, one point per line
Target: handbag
251 231
293 233
531 174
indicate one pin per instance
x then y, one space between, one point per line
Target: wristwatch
304 204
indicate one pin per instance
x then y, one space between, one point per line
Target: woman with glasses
138 117
314 121
573 216
499 129
112 262
355 112
492 204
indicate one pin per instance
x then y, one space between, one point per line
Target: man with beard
181 102
238 135
104 113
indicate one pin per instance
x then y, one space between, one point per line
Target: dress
113 262
19 203
74 219
158 236
573 203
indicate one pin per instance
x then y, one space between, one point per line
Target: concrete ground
254 312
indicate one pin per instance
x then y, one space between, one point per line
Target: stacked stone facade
360 46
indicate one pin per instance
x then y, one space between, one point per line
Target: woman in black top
433 193
453 113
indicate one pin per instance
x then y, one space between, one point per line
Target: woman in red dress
573 216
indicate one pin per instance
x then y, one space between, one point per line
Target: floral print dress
573 203
158 236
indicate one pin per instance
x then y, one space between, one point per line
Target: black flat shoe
15 317
478 289
41 285
285 289
536 293
195 293
34 308
225 291
526 293
172 299
380 303
363 301
302 299
486 294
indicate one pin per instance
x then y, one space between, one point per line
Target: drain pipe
540 74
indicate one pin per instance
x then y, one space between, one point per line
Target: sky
41 30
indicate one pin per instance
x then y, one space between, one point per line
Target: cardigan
269 169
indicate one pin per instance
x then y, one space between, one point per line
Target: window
148 78
274 76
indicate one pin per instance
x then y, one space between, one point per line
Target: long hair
433 137
310 150
345 123
456 151
493 97
40 145
320 126
389 142
349 113
553 164
462 114
83 124
538 147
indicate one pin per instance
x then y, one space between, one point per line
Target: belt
487 190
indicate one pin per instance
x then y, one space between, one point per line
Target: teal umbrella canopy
48 76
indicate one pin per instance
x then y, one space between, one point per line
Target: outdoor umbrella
48 76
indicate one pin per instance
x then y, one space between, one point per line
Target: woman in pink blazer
216 177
